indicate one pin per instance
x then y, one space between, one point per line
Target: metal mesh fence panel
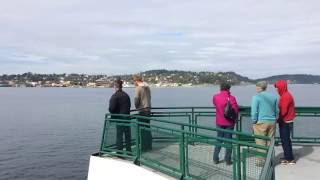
252 164
201 165
109 143
165 150
110 136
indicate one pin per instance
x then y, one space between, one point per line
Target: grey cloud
118 36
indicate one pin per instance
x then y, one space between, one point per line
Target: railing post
193 123
234 165
138 143
103 134
183 165
239 124
273 166
238 151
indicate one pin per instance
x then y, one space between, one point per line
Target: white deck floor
200 162
307 166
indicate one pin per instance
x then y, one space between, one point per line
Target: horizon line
111 75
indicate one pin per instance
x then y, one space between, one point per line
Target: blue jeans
217 148
126 131
285 130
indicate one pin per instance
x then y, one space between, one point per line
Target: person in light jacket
142 103
264 113
220 101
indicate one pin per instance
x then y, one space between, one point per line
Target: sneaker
292 162
229 163
215 162
286 162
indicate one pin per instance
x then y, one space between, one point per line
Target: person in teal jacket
264 113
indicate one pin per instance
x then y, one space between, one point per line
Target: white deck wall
117 169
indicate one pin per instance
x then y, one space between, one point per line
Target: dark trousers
146 137
217 148
126 131
285 132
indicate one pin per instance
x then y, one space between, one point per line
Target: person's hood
143 84
282 86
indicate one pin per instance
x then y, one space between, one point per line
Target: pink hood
219 100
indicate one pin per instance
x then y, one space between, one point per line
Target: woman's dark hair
225 86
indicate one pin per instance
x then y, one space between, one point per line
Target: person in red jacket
286 117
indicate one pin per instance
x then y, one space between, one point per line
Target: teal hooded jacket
264 107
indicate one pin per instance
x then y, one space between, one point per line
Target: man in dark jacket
120 104
286 117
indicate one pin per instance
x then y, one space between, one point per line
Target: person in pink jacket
220 101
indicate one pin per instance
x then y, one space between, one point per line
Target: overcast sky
255 38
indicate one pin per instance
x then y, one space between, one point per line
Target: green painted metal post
190 122
240 123
186 141
138 142
196 123
182 154
234 165
239 158
273 166
244 164
103 133
192 110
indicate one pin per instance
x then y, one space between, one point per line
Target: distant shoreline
152 86
156 78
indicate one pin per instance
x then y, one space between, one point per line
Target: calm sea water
49 133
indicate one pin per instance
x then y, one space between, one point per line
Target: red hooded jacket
286 104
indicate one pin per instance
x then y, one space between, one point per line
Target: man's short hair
225 86
137 77
262 84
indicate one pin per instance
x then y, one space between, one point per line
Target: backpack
229 112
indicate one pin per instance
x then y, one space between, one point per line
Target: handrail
192 125
203 135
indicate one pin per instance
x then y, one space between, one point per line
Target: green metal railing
182 147
303 130
183 139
